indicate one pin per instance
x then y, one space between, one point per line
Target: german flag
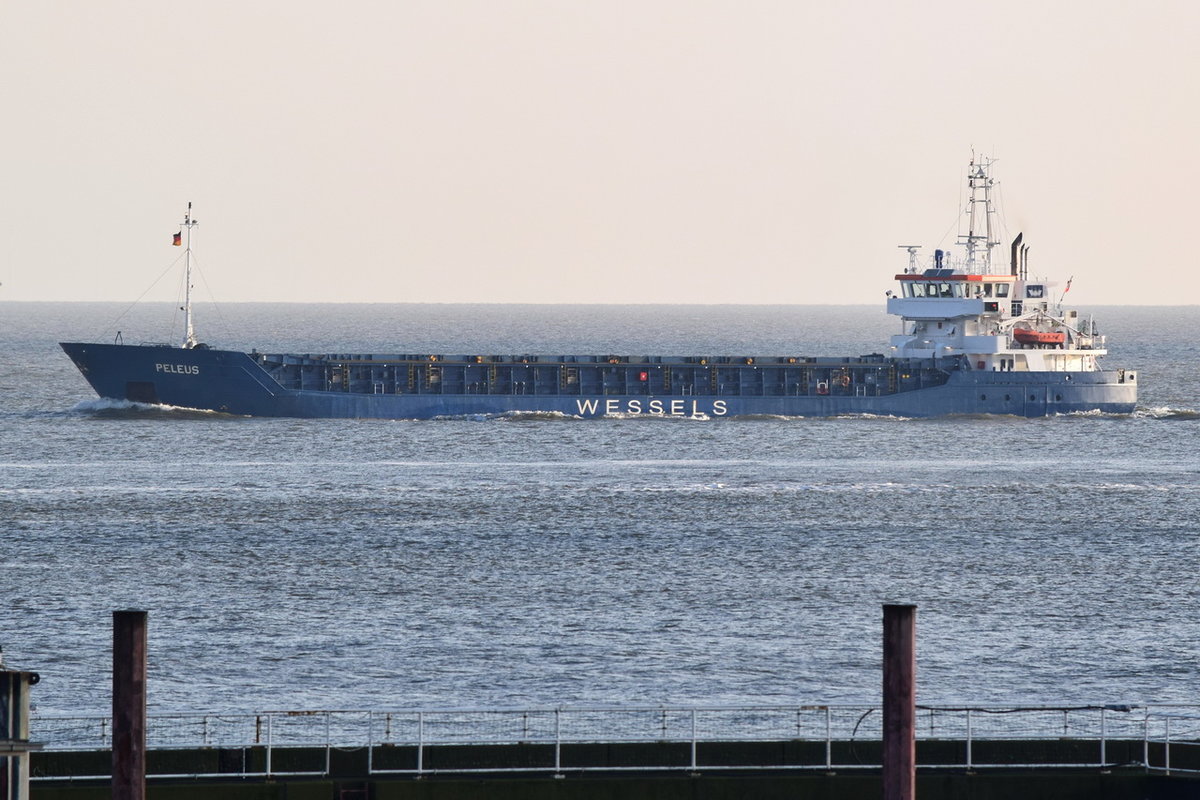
177 240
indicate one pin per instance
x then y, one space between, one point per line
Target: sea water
531 561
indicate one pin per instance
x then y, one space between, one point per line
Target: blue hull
240 383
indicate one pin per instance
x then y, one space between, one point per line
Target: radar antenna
912 256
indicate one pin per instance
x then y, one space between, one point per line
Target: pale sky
670 151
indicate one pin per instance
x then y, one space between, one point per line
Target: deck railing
686 738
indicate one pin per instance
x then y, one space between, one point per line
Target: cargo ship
978 338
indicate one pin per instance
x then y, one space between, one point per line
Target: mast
979 183
189 340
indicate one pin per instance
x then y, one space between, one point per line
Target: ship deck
626 375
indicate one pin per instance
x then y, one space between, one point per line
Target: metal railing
688 738
1172 730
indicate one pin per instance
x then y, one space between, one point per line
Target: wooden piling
129 706
899 702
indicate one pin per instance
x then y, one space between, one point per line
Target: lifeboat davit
1027 336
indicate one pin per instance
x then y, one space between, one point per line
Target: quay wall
1116 785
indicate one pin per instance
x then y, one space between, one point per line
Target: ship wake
1166 412
127 409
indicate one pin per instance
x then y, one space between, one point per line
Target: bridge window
1002 290
1035 291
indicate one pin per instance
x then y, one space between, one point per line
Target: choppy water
352 564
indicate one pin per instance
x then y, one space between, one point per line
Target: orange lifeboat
1042 338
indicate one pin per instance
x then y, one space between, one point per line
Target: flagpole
190 335
1063 296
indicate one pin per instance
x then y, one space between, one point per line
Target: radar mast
979 245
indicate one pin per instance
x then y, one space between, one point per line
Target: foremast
189 339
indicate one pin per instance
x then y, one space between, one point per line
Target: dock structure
607 767
897 749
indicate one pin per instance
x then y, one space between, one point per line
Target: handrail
842 729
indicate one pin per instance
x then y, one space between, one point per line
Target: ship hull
237 383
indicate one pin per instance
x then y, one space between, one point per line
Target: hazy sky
525 151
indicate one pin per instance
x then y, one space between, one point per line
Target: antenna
979 183
912 256
189 340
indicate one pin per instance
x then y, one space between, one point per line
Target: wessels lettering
667 408
178 369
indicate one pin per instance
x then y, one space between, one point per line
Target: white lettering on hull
653 407
178 369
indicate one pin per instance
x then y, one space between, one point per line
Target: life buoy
822 388
844 381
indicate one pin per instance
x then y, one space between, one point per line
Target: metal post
1146 738
329 746
14 733
1167 745
828 739
899 702
1103 741
370 743
969 737
693 740
129 705
420 742
557 743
